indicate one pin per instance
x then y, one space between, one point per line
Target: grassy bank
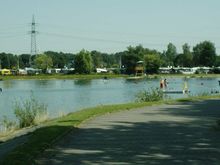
185 75
55 129
60 76
99 76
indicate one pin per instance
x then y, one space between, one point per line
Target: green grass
97 76
184 75
61 76
44 137
198 98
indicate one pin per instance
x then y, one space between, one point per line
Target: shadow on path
6 147
172 134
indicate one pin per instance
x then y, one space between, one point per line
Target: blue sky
107 25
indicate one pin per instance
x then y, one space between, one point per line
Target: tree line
85 62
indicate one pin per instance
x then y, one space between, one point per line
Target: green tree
129 63
59 59
204 54
188 62
217 61
83 62
24 60
97 59
186 58
171 54
164 62
8 61
152 63
43 62
138 51
132 55
108 60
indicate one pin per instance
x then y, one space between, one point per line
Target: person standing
161 84
165 83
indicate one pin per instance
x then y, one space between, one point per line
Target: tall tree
8 61
186 58
217 61
138 50
83 62
24 60
204 54
97 59
187 55
171 54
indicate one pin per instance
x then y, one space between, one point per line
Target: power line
170 35
126 42
13 27
12 36
92 39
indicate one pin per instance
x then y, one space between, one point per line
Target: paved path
165 134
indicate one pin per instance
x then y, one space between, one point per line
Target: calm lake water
63 96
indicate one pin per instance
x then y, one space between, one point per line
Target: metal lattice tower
33 33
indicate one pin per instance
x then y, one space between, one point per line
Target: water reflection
71 95
8 84
133 81
44 83
83 82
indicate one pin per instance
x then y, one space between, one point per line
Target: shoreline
55 129
61 77
101 76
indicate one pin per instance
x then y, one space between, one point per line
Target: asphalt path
163 134
19 137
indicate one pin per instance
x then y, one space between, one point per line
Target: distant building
22 72
32 71
185 70
165 70
54 70
101 70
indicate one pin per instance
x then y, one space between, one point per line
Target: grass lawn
54 129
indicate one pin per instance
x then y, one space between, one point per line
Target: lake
64 96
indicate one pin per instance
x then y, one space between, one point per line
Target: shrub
151 95
28 111
7 125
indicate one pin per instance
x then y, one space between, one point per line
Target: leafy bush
28 111
152 95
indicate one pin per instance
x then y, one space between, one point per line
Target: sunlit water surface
64 96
